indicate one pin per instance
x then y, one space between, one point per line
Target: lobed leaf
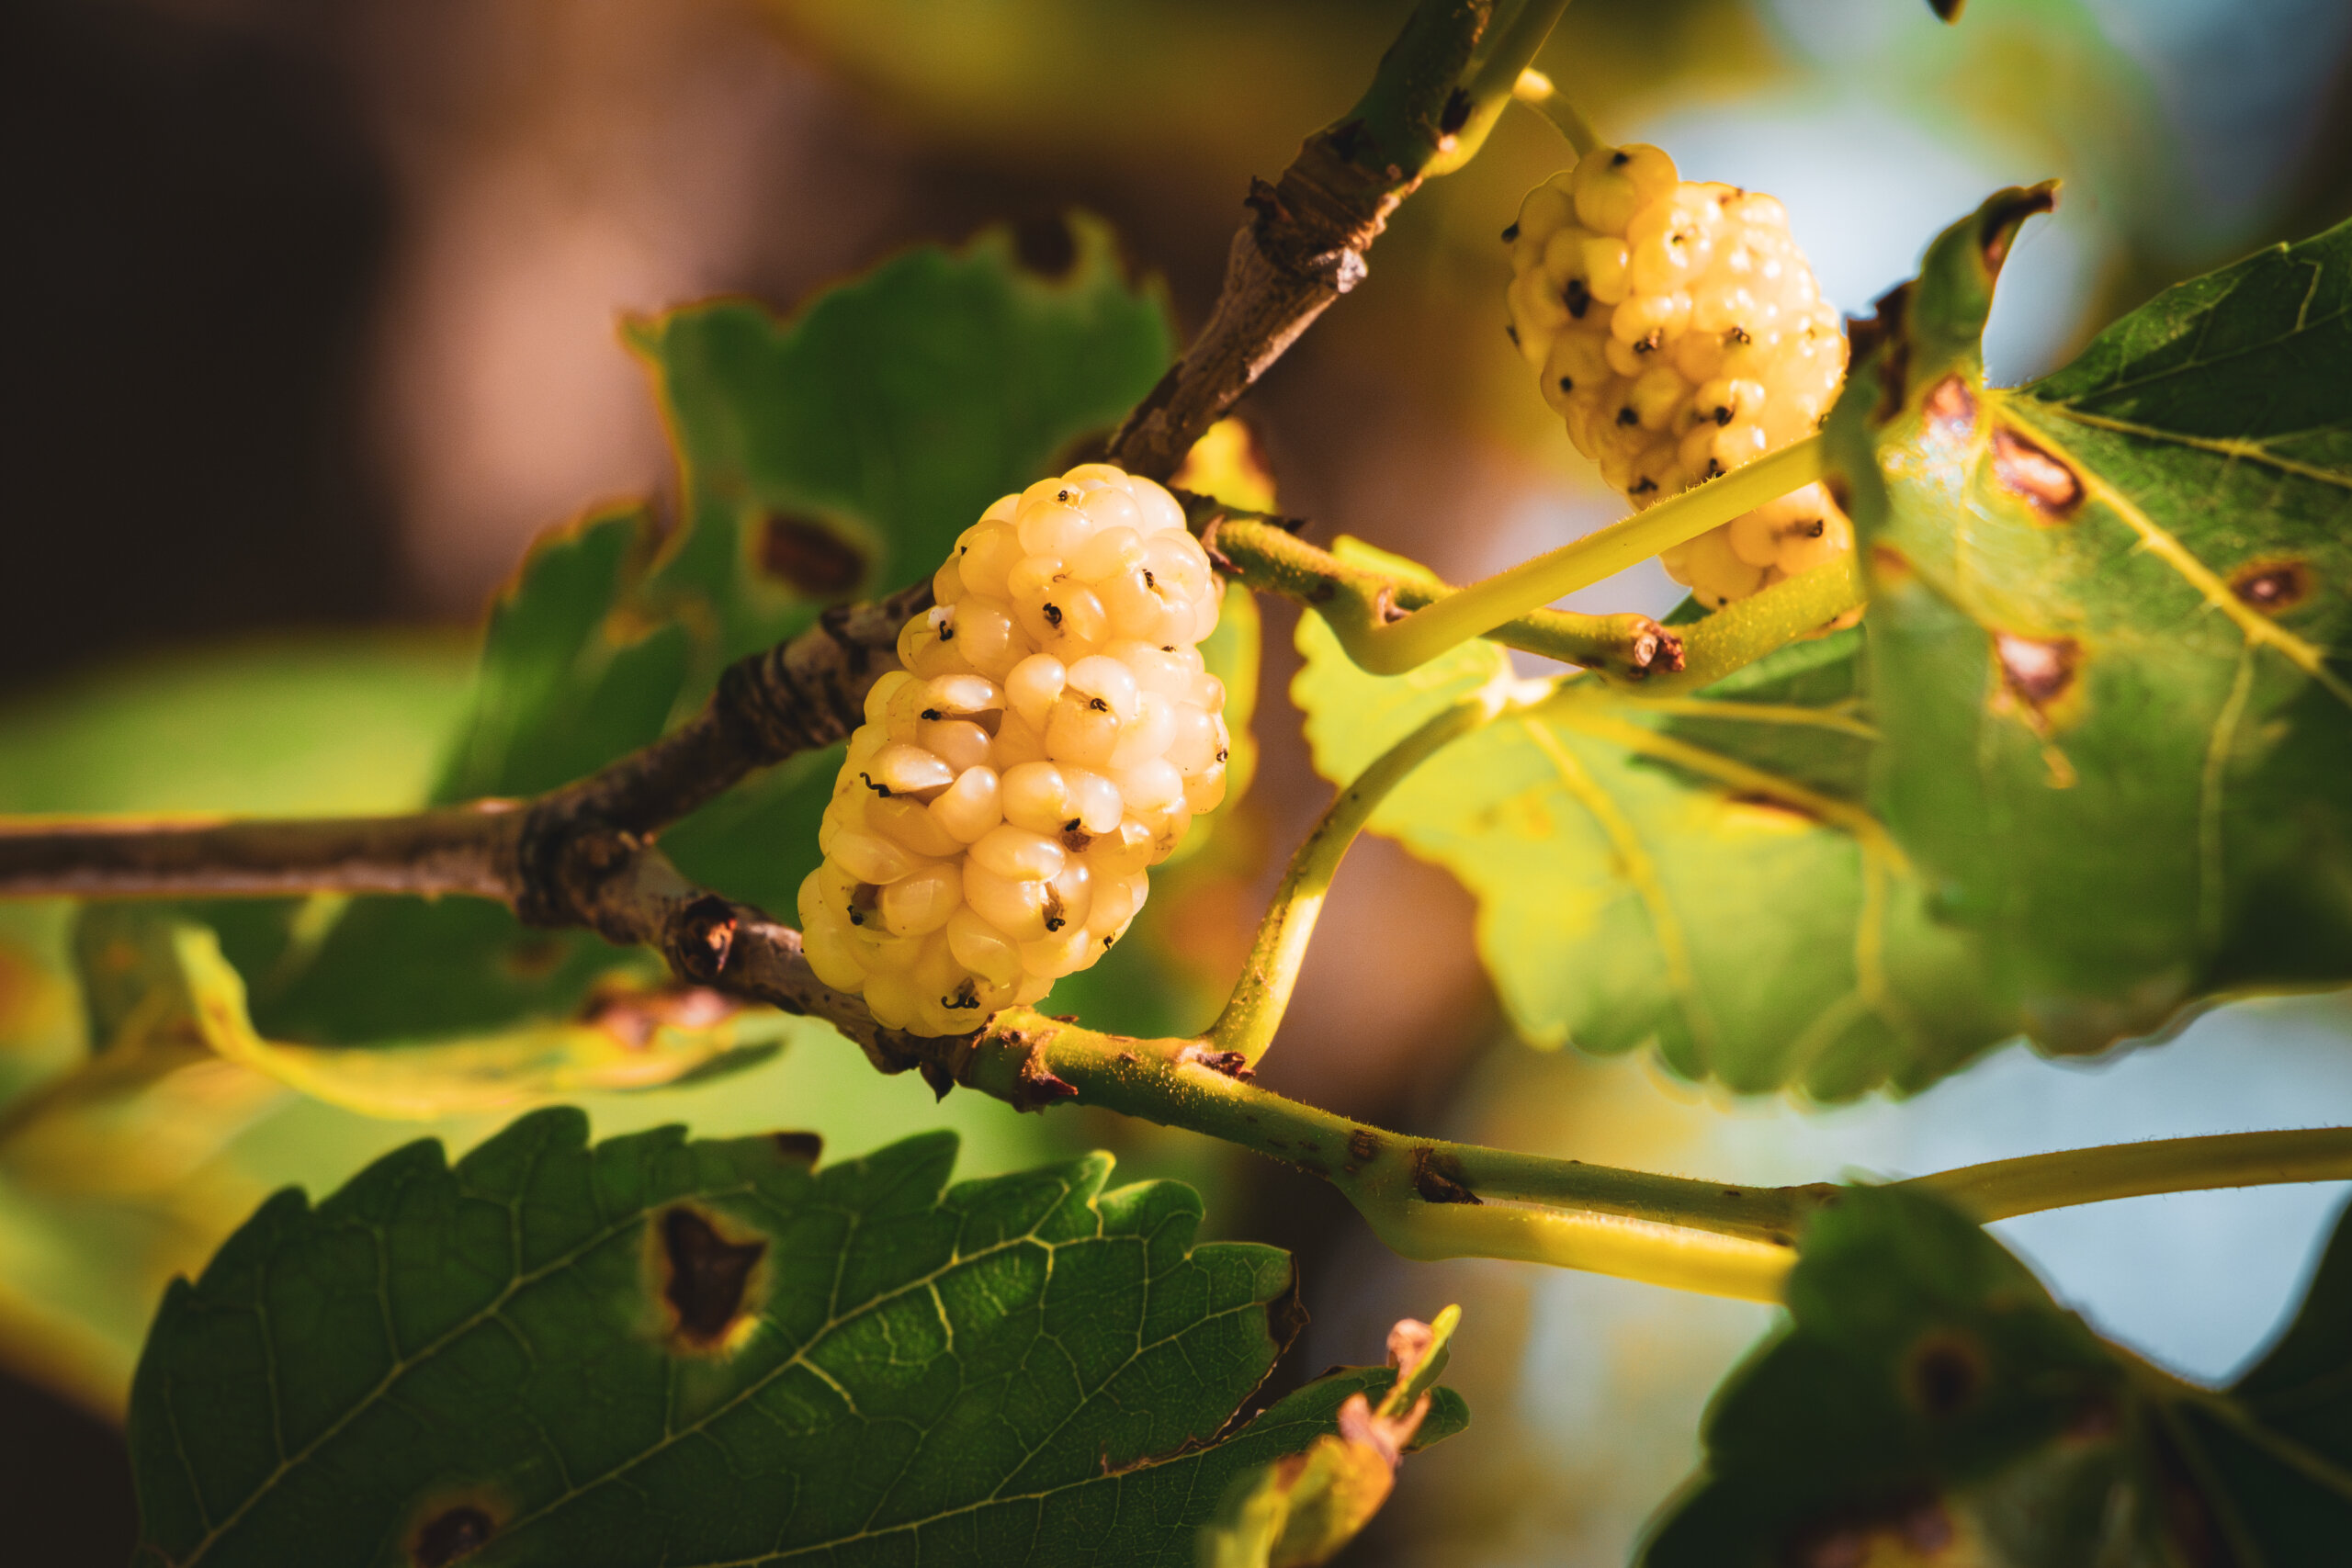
1928 1402
706 1352
1697 874
823 457
2110 631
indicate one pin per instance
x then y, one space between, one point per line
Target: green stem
1255 1010
1262 553
1423 1197
1747 629
1533 90
2002 1189
1510 41
1415 639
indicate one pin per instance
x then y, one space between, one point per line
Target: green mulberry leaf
822 458
2110 627
1695 873
1927 1401
664 1351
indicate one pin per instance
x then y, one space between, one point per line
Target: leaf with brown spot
2114 677
826 453
1926 1402
1701 878
695 1353
706 1278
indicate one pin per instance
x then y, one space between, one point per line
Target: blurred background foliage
321 332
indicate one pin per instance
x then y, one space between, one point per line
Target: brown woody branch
803 693
1303 243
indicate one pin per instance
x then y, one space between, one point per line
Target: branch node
1438 1176
705 939
1231 1064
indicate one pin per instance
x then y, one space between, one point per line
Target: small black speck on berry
1627 416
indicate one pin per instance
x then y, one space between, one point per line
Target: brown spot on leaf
1944 1374
1437 1176
1999 223
2037 671
2046 484
809 557
708 1277
1042 242
1952 409
2272 586
1885 329
452 1534
533 957
801 1149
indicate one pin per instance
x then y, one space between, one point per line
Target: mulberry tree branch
803 693
1438 90
1265 553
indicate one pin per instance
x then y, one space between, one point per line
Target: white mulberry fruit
1052 734
1678 330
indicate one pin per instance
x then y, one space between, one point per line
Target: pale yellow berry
1051 735
1679 333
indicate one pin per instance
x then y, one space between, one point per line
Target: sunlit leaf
1928 1403
109 1188
658 1350
832 455
1697 873
2110 621
840 453
1304 1509
145 972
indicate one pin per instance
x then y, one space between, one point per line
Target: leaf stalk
1405 641
1255 1009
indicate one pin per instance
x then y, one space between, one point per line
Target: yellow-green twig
2002 1189
1255 1010
1747 629
1534 90
1415 638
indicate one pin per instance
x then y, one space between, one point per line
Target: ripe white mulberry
1678 331
1052 734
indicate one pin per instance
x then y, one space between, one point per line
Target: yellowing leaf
1696 873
